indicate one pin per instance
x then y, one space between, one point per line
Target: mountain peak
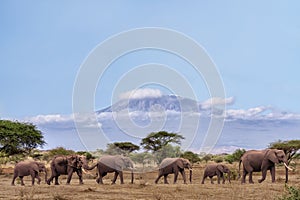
154 104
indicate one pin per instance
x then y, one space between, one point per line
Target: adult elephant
67 165
173 166
262 160
216 170
116 164
26 168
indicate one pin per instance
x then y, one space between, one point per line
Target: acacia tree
290 147
155 141
121 148
159 144
17 137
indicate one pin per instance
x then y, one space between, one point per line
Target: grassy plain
144 187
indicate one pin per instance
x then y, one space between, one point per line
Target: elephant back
117 162
23 168
109 161
167 161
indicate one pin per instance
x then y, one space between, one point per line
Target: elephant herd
253 161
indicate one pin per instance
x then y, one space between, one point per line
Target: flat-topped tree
156 140
159 143
121 148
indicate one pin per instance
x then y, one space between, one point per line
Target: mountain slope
155 104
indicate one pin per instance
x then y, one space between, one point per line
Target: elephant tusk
288 167
85 171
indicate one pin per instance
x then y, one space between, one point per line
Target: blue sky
255 46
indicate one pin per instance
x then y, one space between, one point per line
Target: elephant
216 169
262 160
108 163
67 165
26 168
173 166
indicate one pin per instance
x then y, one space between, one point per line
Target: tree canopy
17 137
156 140
121 148
290 147
191 156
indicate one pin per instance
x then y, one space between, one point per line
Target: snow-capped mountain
155 104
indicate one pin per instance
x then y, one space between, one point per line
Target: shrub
293 193
192 157
207 157
57 151
88 155
218 159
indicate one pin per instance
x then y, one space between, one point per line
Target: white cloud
44 119
57 120
141 93
261 112
215 101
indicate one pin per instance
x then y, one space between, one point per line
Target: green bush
192 157
235 156
293 193
57 151
218 159
88 155
207 157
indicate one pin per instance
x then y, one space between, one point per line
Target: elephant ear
180 163
220 168
271 155
72 160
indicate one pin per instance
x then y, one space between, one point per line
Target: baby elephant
26 168
216 169
173 166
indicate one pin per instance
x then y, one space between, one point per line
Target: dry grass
144 188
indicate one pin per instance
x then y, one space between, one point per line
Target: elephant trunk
191 174
46 176
287 168
132 176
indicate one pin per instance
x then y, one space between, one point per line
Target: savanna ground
144 187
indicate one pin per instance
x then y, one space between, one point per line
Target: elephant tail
239 170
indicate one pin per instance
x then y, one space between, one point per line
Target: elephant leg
33 175
223 177
183 176
115 177
121 177
32 180
211 180
175 176
22 182
244 176
56 180
49 180
99 180
264 174
14 178
166 179
39 179
219 176
159 176
272 171
250 177
69 177
204 177
79 174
